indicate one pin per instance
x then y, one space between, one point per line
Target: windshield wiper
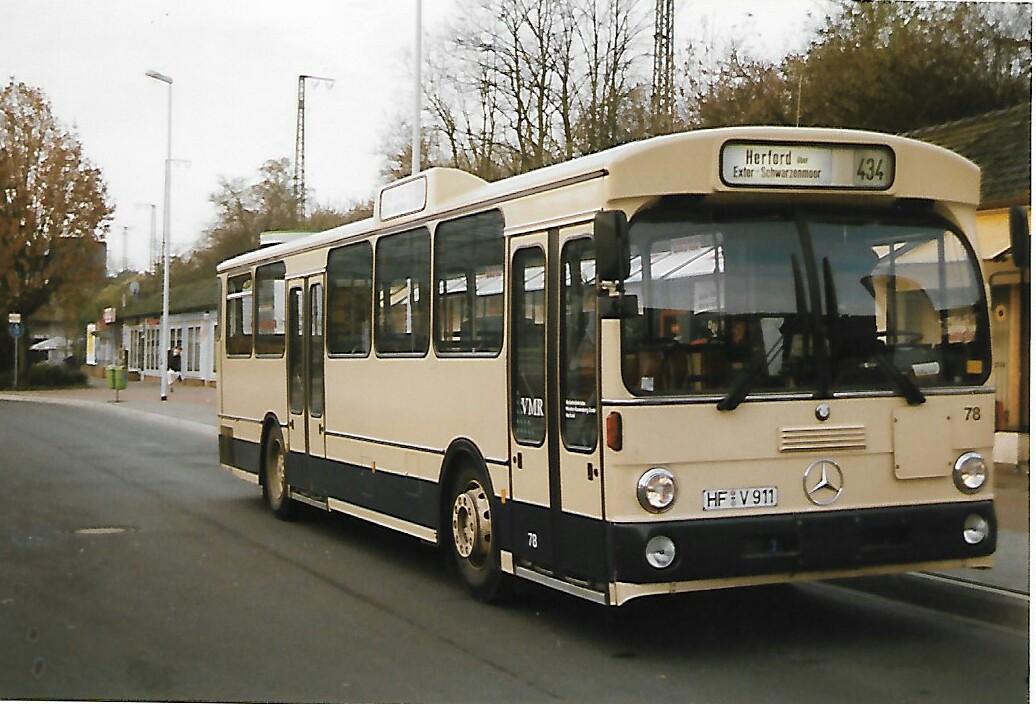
740 389
910 390
742 386
905 384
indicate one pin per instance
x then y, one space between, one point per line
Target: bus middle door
306 382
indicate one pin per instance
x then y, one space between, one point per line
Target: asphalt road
132 567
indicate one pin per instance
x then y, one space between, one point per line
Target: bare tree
609 31
521 84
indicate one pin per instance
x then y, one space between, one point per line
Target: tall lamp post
164 333
415 147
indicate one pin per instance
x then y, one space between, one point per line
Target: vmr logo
532 406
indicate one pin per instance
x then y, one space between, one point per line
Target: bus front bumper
799 546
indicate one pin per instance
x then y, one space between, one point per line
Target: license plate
750 497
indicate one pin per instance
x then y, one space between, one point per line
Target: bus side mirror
1021 244
612 245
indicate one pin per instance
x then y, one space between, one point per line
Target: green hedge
45 376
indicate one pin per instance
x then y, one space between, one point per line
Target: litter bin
116 378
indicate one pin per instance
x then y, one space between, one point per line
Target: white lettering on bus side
532 407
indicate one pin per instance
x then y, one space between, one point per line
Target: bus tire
473 538
276 492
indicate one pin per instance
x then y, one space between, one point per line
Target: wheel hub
278 470
471 523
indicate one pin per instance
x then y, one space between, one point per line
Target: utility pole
298 181
152 264
663 101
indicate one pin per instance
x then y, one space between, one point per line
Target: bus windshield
738 301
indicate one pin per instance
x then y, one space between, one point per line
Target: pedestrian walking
173 366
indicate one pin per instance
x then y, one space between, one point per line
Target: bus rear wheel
474 540
276 492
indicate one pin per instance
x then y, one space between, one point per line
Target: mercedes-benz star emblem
823 482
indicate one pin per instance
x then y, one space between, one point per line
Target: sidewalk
194 407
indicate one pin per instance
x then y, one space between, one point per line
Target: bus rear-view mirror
612 245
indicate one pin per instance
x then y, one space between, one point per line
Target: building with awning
1000 142
132 337
57 348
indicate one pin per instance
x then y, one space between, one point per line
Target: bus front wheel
475 543
276 492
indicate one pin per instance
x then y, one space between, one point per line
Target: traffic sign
15 330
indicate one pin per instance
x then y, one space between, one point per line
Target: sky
235 66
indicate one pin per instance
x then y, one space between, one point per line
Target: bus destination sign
776 165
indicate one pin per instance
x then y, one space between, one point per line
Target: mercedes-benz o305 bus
719 358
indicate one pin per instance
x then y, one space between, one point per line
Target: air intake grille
843 437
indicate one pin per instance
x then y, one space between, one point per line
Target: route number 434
871 169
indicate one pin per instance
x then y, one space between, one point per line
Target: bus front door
305 321
555 505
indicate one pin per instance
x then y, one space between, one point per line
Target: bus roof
682 163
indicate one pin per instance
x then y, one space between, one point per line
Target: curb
125 411
966 599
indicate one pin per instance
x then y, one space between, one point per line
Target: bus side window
579 345
401 278
296 363
239 315
469 274
316 350
528 343
349 282
269 309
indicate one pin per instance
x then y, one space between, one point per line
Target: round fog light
660 552
970 472
976 529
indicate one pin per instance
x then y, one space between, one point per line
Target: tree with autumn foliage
885 66
54 209
245 208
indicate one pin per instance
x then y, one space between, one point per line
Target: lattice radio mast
298 181
663 101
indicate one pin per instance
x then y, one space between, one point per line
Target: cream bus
711 359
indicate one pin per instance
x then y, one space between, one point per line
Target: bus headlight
976 529
660 552
970 472
656 489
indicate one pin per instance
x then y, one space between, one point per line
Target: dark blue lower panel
576 548
242 454
584 548
406 498
795 544
599 551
